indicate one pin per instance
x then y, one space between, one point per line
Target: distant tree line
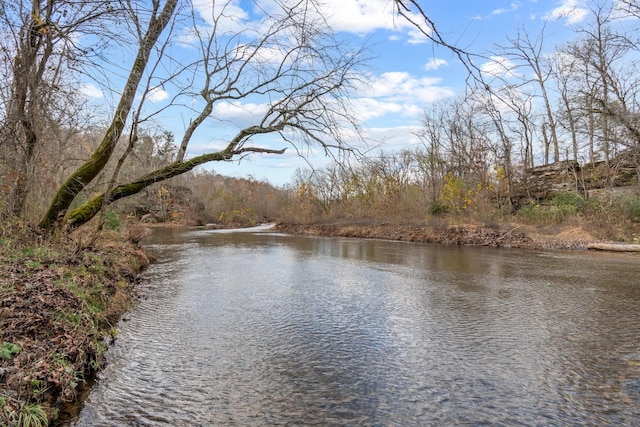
63 160
528 105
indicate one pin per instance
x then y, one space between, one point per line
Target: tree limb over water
292 61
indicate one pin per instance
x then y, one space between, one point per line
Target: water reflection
262 329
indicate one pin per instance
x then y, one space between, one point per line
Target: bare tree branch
293 63
90 169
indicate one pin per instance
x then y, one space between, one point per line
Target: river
264 329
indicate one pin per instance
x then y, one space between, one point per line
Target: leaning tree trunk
92 167
89 209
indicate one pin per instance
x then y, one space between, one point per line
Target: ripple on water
303 331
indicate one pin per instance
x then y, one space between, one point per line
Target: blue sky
406 73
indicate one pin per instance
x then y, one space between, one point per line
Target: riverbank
503 235
60 304
290 330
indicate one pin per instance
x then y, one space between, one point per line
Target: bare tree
158 21
37 52
493 109
609 89
431 158
529 54
292 60
632 7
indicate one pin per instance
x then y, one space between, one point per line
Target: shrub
568 203
632 209
242 216
539 214
437 207
112 221
455 193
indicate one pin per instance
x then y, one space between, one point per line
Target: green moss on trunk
89 209
92 167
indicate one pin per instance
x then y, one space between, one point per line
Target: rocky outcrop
542 182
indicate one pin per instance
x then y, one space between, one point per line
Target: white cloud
264 54
157 94
402 86
352 16
388 96
91 91
416 37
397 136
370 108
397 93
361 16
435 64
239 114
499 66
573 11
512 7
365 16
226 15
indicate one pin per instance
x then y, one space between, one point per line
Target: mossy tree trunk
306 92
96 163
89 209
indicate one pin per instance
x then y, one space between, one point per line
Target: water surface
265 329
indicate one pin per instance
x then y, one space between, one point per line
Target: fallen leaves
57 310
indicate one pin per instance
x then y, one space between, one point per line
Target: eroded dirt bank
513 236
